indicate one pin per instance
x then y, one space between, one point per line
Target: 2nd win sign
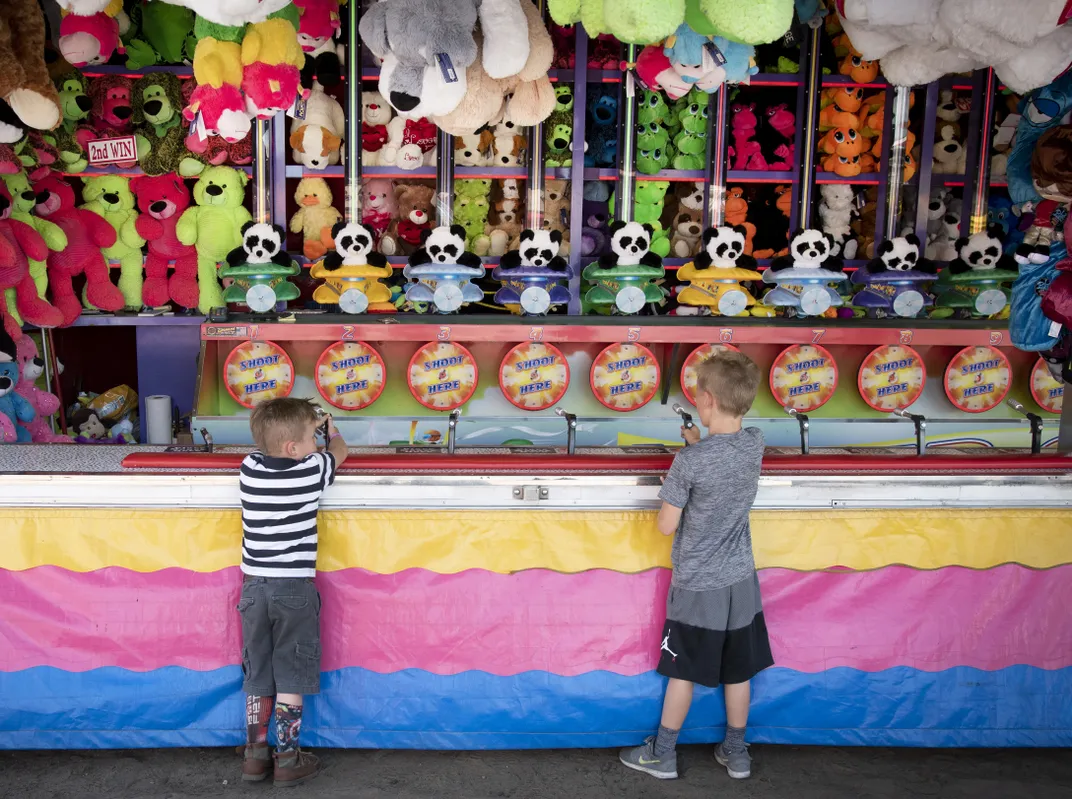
113 151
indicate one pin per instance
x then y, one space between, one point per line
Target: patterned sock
258 712
734 741
665 741
287 726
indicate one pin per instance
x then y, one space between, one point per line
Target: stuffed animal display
110 198
43 402
23 200
648 21
19 244
921 43
15 410
162 200
316 215
317 138
415 213
213 226
462 65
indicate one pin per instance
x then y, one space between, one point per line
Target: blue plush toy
1040 110
602 132
1001 213
14 408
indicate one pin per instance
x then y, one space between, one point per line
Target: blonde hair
732 378
277 421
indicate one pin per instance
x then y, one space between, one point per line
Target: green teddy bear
471 212
23 200
652 108
73 89
110 197
691 142
563 99
214 226
647 208
158 126
558 136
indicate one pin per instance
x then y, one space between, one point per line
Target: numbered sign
1048 392
350 375
625 377
804 377
256 371
534 376
442 375
696 357
891 377
977 379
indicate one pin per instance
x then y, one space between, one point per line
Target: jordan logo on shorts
666 646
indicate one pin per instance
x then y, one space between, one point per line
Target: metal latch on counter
531 493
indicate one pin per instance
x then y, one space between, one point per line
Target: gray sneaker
738 764
643 758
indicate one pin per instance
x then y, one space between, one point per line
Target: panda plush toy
444 245
353 247
982 251
630 245
539 248
809 249
723 248
900 254
261 244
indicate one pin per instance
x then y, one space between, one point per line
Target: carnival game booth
512 371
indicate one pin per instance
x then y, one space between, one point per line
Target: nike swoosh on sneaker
644 762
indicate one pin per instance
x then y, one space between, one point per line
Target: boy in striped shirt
280 484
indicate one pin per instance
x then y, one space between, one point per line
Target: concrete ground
778 771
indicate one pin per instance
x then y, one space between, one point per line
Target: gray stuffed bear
427 45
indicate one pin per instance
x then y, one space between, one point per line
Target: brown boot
293 768
256 762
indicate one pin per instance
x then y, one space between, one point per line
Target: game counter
489 599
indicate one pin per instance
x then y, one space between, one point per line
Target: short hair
1051 160
732 378
277 421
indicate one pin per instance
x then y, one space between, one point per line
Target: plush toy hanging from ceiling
648 21
25 84
424 71
247 63
920 42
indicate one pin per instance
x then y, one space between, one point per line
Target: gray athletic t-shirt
715 481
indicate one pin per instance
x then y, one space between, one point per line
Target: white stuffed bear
949 155
376 114
411 143
835 212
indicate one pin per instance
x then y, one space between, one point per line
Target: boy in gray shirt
714 633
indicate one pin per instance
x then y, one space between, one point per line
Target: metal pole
444 178
1064 432
806 148
580 103
534 206
926 160
980 135
894 138
262 172
627 108
353 116
715 197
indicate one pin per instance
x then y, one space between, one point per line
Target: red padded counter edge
581 464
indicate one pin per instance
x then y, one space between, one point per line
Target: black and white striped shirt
280 498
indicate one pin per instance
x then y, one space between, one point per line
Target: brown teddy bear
416 213
503 226
685 231
556 210
315 217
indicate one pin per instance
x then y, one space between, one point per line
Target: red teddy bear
18 243
87 233
161 200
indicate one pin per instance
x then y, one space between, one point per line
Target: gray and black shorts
280 636
717 636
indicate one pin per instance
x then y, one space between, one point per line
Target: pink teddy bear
44 402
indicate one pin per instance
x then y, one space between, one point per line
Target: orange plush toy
840 107
859 69
736 213
846 166
842 141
